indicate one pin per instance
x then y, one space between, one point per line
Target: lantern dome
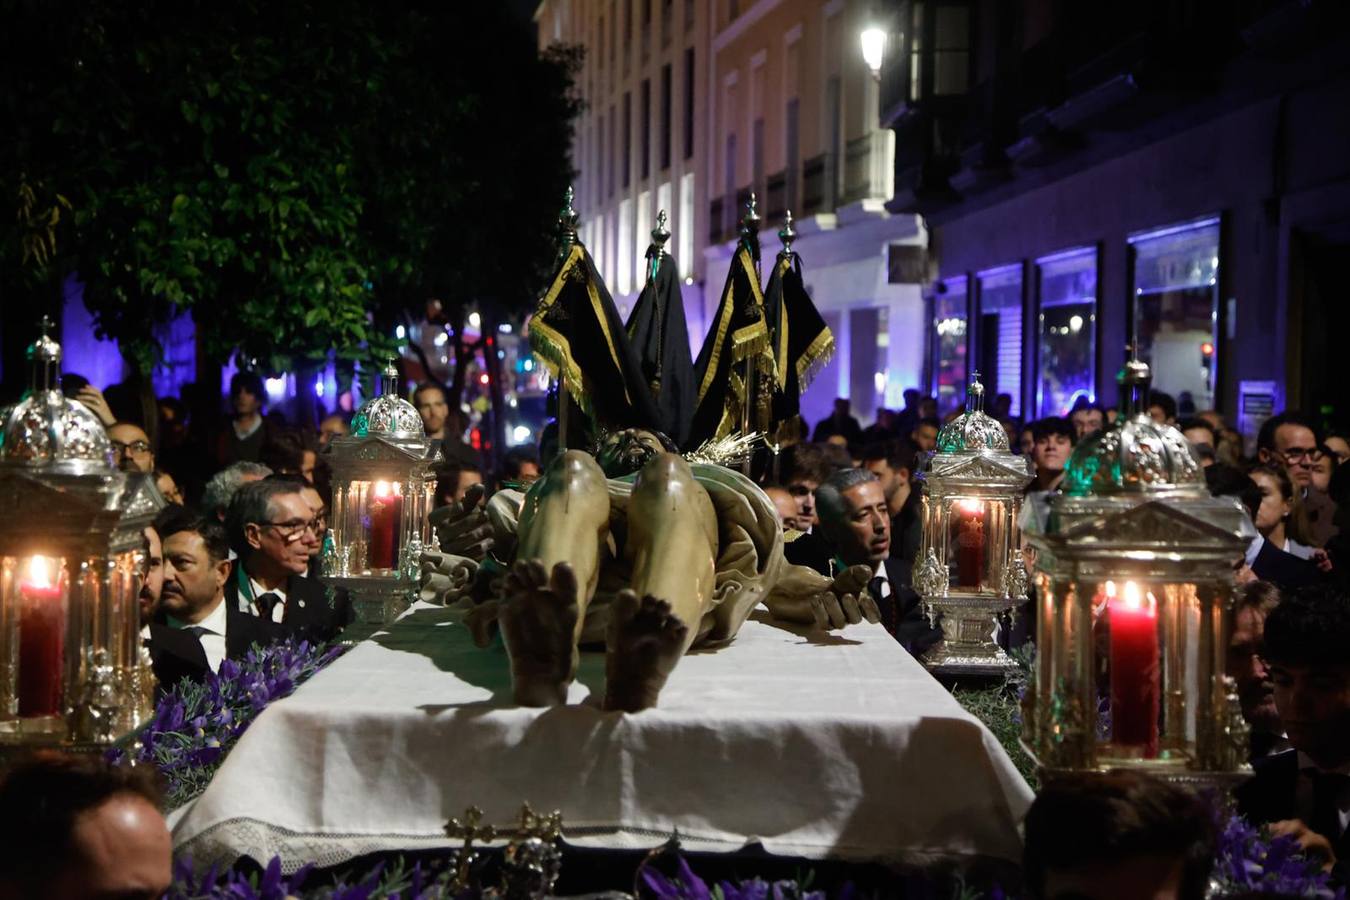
47 428
388 414
973 429
1135 455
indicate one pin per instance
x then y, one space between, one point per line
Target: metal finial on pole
750 221
787 234
660 235
567 225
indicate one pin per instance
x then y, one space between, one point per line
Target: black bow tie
266 603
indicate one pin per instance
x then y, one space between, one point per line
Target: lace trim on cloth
225 842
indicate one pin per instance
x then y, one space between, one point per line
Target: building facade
691 105
1171 175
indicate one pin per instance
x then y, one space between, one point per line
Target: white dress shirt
886 582
213 635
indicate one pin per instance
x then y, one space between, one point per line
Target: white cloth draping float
822 746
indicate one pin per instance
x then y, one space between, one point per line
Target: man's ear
223 569
253 536
903 474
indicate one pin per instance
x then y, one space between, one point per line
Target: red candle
386 509
1135 672
41 640
969 544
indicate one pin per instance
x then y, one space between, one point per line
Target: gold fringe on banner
816 357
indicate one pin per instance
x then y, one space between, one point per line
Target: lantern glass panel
370 525
34 604
1148 668
977 544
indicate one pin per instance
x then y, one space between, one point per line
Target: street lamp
873 48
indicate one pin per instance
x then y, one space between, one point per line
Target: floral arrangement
685 885
1248 863
195 725
394 882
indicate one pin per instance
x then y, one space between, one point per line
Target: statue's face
627 451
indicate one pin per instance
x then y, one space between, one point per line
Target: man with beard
1304 793
855 520
1253 602
174 654
192 599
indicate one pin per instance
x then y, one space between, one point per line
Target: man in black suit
274 531
1305 792
194 629
855 520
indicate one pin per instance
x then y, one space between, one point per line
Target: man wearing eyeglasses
274 531
131 448
1291 442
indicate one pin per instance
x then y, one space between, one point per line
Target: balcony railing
869 167
775 197
818 185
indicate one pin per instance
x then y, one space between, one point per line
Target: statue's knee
664 471
576 466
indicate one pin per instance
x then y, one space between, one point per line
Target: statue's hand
446 578
847 601
462 528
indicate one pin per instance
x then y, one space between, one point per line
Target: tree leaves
296 175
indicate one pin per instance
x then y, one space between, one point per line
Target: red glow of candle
1135 671
970 544
386 509
41 640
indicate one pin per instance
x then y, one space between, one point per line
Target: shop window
1000 333
1067 348
1176 308
950 314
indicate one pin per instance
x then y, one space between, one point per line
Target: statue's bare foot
538 618
645 642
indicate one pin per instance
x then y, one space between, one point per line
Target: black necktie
1328 788
266 603
885 605
197 631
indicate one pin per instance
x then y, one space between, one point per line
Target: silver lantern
1134 578
969 571
72 553
382 493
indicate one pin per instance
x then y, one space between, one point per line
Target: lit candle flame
1132 599
39 572
381 489
1110 590
970 506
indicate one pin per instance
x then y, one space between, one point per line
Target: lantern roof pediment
979 466
1150 526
